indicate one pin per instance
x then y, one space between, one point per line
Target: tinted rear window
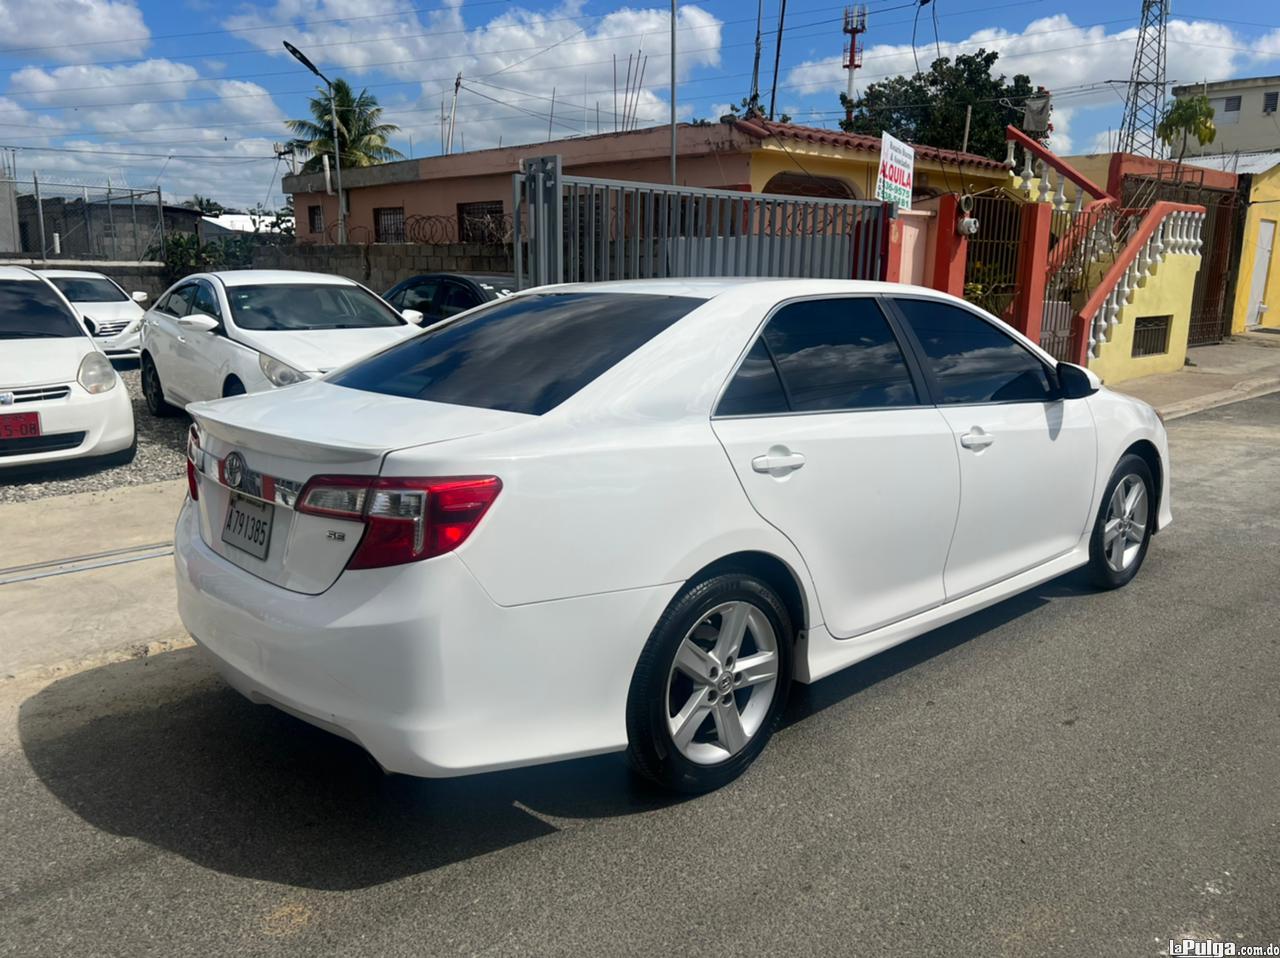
31 310
523 355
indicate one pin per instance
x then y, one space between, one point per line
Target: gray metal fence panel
586 229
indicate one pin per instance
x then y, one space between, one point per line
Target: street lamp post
333 116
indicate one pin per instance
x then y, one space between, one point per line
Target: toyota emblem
233 470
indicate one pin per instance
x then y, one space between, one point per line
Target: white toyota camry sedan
239 331
630 515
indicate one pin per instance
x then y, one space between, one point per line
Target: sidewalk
1238 368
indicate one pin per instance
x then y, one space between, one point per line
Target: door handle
778 461
182 339
977 439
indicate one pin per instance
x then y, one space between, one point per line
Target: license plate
19 425
248 526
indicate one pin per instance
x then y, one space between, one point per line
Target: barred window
1271 101
480 222
1151 335
388 224
315 218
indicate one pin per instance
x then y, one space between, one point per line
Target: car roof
712 286
72 273
274 277
19 273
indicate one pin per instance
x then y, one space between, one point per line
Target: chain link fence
58 217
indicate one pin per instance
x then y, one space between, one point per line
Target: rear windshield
281 306
80 289
31 310
525 355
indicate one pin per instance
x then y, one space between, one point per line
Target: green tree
929 107
362 136
205 205
1184 119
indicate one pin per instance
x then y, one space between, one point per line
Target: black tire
232 387
123 457
152 391
651 748
1103 570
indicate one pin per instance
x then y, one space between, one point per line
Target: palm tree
1184 119
362 139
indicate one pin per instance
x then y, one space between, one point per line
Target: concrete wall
146 276
382 266
1264 204
1250 128
1167 292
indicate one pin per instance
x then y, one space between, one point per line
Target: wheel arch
772 570
226 381
1146 450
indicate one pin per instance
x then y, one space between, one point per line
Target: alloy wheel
722 682
1125 528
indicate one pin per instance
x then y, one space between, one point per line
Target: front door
824 425
1261 271
1028 458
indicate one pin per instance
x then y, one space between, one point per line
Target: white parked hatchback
60 397
114 317
630 515
227 333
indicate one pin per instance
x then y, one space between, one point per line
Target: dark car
441 295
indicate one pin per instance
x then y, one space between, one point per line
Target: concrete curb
1245 389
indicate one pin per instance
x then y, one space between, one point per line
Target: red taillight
193 453
405 519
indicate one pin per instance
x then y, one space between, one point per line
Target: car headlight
96 374
278 373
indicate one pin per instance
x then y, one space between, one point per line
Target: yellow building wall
1167 293
861 169
1264 204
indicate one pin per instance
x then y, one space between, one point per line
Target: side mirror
412 316
139 296
199 323
1076 382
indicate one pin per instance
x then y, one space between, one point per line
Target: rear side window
526 355
973 360
755 389
31 310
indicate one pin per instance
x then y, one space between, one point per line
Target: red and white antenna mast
855 24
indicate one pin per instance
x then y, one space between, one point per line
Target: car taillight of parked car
405 519
194 455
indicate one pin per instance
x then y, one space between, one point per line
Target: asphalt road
1067 773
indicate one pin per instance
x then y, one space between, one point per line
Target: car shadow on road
169 755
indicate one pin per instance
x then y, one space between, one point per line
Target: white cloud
518 59
59 29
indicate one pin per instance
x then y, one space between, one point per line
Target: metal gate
991 269
571 229
1222 235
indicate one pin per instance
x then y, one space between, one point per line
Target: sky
192 94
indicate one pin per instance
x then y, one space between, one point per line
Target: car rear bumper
82 426
417 664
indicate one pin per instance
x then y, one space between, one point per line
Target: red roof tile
762 129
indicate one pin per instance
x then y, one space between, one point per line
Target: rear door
1027 457
827 429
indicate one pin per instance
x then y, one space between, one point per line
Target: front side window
31 310
284 306
178 303
420 296
85 289
206 302
526 354
972 360
457 299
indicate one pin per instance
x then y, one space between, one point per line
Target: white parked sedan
630 515
60 398
223 334
114 317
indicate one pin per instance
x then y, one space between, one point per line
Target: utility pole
968 117
755 67
333 116
855 24
777 57
673 92
1144 100
453 112
551 117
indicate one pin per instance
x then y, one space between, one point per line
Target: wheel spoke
1117 501
755 669
733 626
1116 554
693 661
729 728
686 723
1134 496
1110 531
